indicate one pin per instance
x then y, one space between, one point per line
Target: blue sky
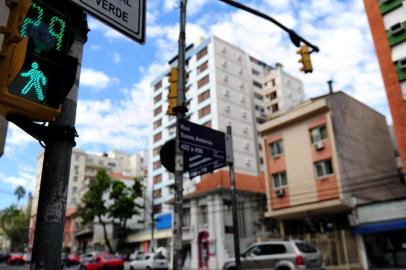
114 108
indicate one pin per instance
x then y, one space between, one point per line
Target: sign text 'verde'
113 9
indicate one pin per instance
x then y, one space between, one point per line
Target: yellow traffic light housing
173 91
305 59
35 71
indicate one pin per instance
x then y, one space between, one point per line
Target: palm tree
19 192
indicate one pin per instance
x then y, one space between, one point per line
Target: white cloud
16 141
95 79
24 178
109 33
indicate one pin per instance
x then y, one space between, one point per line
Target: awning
392 225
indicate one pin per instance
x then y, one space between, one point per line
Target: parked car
72 259
151 261
15 258
27 257
134 255
103 261
279 255
3 256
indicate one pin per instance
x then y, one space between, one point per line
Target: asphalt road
4 266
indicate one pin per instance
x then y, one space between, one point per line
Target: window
156 165
258 96
273 95
257 84
157 193
157 110
157 136
275 108
318 133
203 96
201 53
324 168
207 124
306 247
273 82
276 148
279 179
202 67
205 111
157 85
203 81
157 179
202 215
156 150
186 217
157 209
157 98
75 178
255 72
157 123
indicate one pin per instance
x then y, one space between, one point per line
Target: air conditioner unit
280 192
319 146
397 29
402 63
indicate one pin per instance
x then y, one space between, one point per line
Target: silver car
149 261
279 255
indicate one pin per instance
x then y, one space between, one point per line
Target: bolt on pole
179 168
49 226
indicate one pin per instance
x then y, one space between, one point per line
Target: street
4 266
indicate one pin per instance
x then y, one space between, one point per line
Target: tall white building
83 168
226 86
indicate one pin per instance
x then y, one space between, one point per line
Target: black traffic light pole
295 38
50 221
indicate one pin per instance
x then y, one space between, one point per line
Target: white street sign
126 16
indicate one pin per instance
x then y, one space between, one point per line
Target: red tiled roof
120 176
221 180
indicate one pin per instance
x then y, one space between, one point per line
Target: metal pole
230 161
49 227
152 220
180 114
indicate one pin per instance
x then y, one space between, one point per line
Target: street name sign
202 140
205 147
126 16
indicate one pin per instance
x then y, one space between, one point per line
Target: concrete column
362 252
211 210
219 230
194 263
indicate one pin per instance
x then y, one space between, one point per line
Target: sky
115 97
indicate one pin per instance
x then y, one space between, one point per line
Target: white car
149 261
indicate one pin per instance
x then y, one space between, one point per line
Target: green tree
19 192
120 206
123 204
93 204
15 224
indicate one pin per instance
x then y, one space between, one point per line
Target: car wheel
148 268
82 268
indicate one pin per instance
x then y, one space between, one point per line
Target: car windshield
306 247
159 256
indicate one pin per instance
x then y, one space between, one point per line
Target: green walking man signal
37 81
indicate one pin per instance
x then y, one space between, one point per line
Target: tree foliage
19 192
15 224
109 200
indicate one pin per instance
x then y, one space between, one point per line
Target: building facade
324 158
226 86
387 21
84 166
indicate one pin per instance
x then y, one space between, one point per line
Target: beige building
84 167
323 158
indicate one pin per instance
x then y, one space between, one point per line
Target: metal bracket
45 133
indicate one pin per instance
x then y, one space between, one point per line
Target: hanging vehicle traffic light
40 74
305 59
172 91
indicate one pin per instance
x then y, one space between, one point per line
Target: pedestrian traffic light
305 59
173 91
37 73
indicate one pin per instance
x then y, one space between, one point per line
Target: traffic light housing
305 59
173 91
36 74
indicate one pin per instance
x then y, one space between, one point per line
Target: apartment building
387 21
83 168
226 86
324 158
